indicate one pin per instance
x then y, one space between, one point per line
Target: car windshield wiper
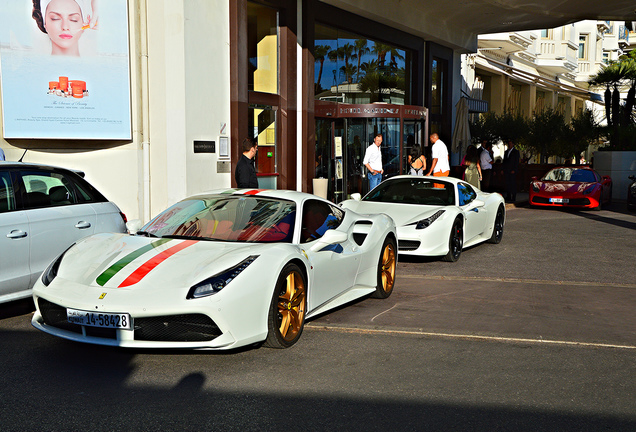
146 234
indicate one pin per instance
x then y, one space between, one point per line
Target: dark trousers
511 186
485 179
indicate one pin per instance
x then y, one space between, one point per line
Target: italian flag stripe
253 191
149 265
115 268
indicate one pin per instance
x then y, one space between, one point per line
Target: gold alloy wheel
291 307
388 267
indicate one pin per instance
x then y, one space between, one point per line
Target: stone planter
619 165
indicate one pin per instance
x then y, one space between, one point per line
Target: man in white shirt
440 167
373 161
485 160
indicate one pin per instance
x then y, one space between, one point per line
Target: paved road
537 333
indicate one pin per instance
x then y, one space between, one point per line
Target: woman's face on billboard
63 23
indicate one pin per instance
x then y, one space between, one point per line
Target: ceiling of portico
456 23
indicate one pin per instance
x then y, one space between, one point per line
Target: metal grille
55 316
176 328
408 245
571 202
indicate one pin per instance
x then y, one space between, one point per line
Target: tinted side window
466 194
318 217
7 199
46 189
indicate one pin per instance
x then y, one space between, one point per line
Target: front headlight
51 271
425 223
589 190
218 282
535 187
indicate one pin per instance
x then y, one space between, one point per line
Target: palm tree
615 74
361 48
320 53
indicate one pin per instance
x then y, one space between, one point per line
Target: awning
534 79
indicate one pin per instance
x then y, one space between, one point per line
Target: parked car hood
564 187
402 214
135 262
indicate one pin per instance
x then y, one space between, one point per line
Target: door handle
82 225
16 234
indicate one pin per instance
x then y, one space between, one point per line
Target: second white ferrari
435 216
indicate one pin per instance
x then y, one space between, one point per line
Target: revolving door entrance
343 133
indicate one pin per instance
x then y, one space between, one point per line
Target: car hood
134 262
563 187
402 214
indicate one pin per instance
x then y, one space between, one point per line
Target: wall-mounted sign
68 82
204 146
224 147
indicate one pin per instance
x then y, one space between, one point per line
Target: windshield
227 218
413 191
571 175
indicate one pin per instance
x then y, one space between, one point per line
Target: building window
350 68
547 34
606 58
583 47
263 48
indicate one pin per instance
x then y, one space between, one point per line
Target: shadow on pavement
71 386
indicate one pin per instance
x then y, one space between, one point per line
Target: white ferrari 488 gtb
217 270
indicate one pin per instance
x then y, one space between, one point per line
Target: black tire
286 318
498 227
455 241
386 269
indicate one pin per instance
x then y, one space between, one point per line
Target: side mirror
356 197
134 225
478 203
329 238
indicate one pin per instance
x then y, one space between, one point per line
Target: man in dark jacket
511 166
245 174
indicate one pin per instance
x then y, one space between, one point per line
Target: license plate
94 319
559 200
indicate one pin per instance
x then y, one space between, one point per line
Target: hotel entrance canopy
456 23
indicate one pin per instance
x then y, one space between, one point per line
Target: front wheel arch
456 240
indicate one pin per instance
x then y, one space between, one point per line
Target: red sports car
577 187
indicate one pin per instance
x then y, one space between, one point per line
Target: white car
218 270
43 210
435 216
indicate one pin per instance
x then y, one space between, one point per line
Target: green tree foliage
546 133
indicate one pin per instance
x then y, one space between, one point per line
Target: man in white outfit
440 167
373 161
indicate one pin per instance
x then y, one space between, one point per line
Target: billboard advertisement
65 69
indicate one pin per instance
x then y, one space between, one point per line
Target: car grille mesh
176 328
408 245
169 328
571 202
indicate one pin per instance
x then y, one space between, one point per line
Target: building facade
311 81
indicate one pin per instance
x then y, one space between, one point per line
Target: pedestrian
473 169
486 161
245 174
510 168
373 161
440 166
417 161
